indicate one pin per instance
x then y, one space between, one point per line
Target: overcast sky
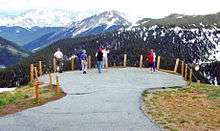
144 8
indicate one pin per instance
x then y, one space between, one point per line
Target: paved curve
95 102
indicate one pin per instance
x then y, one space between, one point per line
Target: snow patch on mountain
104 22
44 18
179 17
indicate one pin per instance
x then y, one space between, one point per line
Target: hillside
22 36
186 21
197 44
101 23
37 43
10 53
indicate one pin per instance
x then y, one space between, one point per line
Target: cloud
145 8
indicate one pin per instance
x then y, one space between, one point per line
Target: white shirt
154 55
58 55
105 53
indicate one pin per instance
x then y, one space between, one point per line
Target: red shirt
150 57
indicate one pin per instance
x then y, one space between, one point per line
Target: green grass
11 97
213 92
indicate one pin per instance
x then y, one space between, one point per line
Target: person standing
78 54
84 61
99 57
154 60
150 59
58 55
105 57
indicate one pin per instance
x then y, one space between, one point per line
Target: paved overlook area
95 102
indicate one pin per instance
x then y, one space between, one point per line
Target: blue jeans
99 65
79 65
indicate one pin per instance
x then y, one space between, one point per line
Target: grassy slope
189 108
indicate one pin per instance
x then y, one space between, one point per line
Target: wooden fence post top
125 60
182 68
141 61
40 68
176 65
31 72
158 62
186 72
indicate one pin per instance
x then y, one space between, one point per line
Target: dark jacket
99 56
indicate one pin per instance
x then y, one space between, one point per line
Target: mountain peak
44 18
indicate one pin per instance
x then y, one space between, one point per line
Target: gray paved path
95 102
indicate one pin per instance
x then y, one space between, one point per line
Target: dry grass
185 109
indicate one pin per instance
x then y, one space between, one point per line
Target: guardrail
176 66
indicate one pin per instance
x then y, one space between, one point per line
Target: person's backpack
150 57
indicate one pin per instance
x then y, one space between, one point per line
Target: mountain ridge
104 22
11 53
183 20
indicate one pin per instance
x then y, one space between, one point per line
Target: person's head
84 51
58 49
100 49
152 50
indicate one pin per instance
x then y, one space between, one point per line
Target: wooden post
190 76
186 71
57 85
40 68
141 61
176 65
37 95
54 65
36 73
125 60
89 62
198 83
72 63
182 69
31 73
51 85
158 62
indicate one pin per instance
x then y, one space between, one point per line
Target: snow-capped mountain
43 18
105 22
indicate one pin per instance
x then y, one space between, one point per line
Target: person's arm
61 55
